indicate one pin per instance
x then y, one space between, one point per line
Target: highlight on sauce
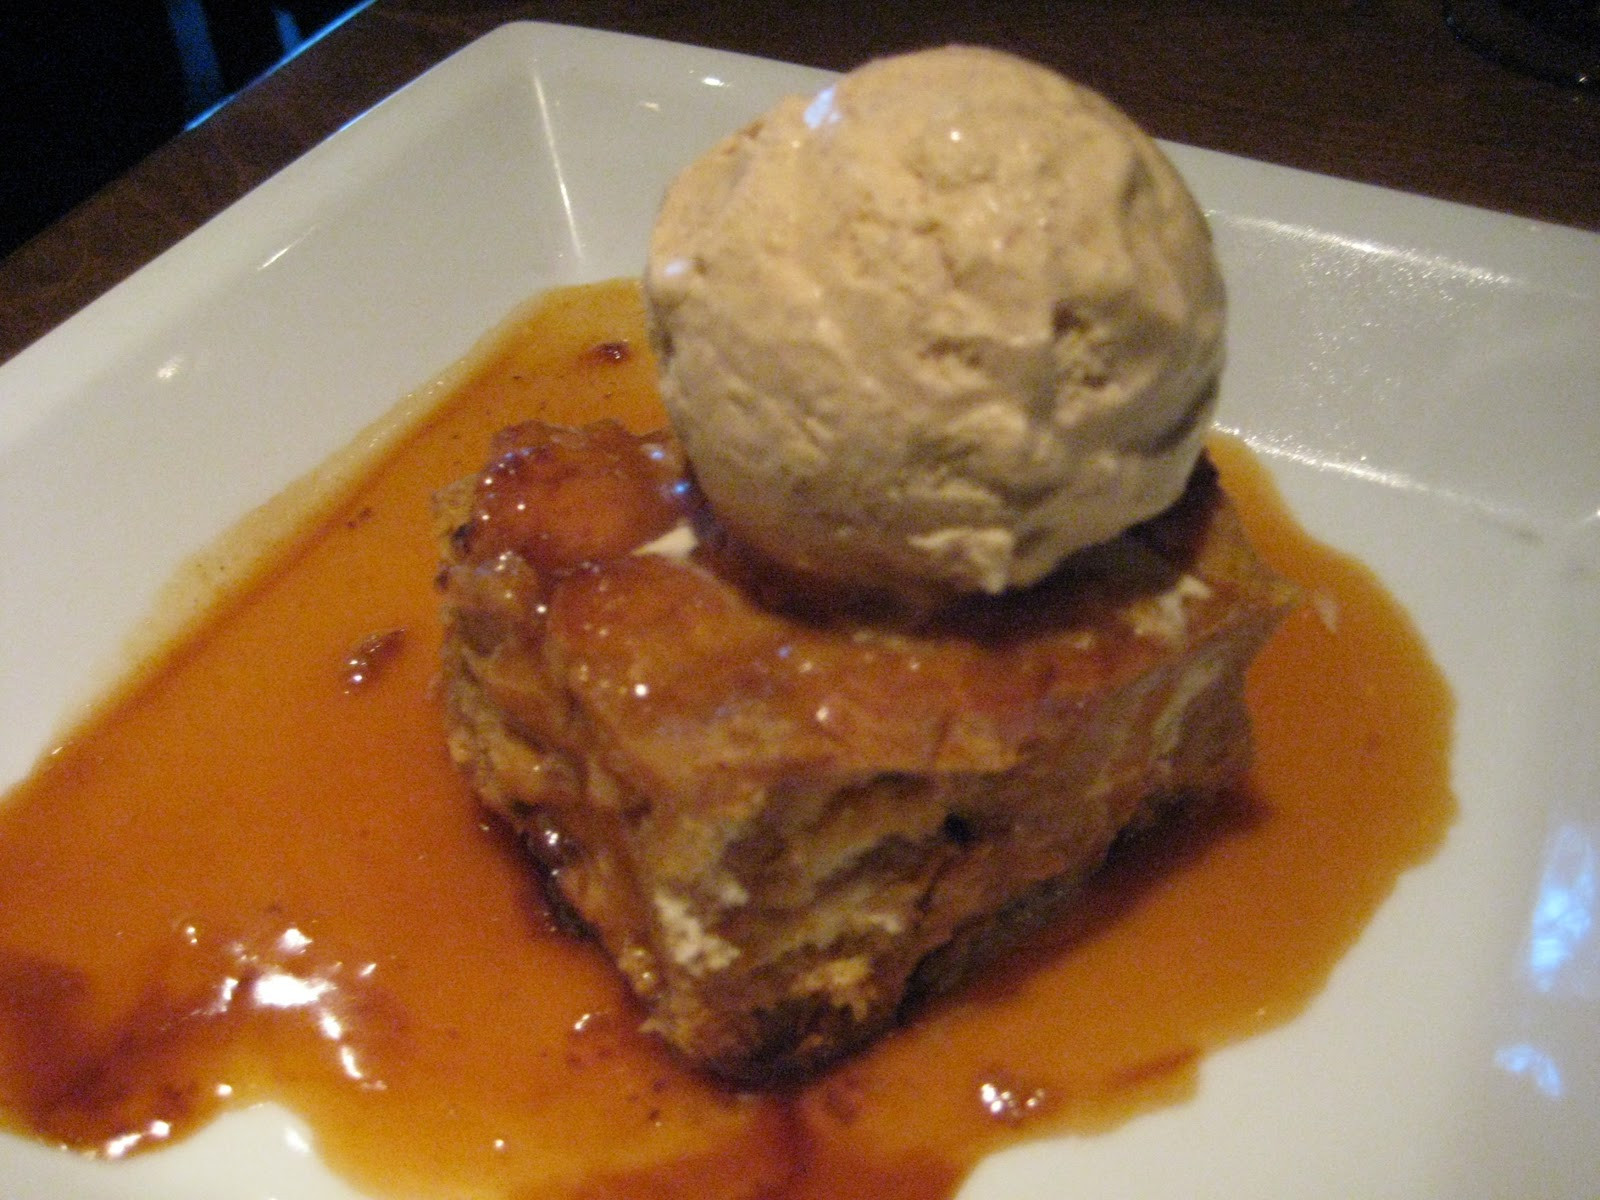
254 875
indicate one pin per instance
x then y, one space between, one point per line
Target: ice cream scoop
937 327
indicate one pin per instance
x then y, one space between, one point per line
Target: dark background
89 87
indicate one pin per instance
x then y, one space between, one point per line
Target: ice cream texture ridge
937 327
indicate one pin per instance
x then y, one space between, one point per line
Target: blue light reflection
1534 1065
821 109
1563 958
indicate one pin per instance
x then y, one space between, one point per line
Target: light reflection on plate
1424 378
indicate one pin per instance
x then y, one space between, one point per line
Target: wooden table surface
1374 90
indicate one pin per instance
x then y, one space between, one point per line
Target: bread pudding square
789 815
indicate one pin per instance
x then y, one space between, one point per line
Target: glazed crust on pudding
787 815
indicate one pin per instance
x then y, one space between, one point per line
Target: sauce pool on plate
254 875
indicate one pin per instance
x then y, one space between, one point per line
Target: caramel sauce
255 875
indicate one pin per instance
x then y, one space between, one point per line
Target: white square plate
1424 378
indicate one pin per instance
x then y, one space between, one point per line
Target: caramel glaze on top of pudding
256 876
